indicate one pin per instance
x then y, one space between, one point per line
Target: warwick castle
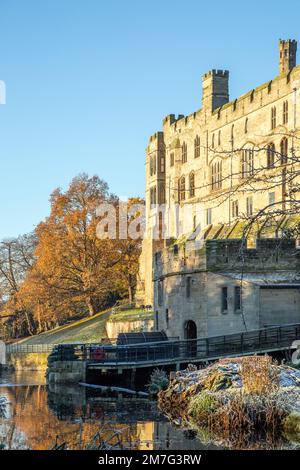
206 175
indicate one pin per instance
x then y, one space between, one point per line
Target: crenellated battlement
157 136
231 255
172 119
216 73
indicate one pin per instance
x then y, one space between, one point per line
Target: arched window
184 153
197 147
283 150
216 175
153 195
270 155
273 117
181 189
192 184
285 112
162 193
247 163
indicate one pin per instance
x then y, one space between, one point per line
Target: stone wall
66 372
113 328
277 254
224 131
204 305
228 255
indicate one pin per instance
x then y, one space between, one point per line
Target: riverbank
237 403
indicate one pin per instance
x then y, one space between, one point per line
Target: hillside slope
87 330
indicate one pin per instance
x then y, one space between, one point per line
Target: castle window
162 164
197 147
213 141
216 175
235 208
232 134
251 96
160 292
283 150
273 117
181 189
237 298
208 216
167 317
285 112
194 223
271 197
246 126
156 320
247 163
219 138
224 299
172 159
249 205
184 153
192 184
162 193
270 155
153 195
188 286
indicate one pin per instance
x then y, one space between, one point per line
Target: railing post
207 346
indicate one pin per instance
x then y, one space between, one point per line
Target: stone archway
190 333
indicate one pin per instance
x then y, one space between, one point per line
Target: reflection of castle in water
153 429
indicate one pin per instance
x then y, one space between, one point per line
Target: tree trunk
29 325
130 294
90 306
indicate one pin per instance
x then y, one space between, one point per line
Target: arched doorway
190 333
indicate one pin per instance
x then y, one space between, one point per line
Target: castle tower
287 55
215 89
155 195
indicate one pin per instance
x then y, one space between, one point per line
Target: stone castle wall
225 128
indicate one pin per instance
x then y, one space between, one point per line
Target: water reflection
38 417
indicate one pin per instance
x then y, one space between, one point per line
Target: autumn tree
75 270
16 260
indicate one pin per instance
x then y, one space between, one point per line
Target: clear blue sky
89 80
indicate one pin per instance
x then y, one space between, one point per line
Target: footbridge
110 360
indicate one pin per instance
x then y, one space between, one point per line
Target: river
42 417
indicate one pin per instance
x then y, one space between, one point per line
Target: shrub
201 406
158 381
258 375
291 424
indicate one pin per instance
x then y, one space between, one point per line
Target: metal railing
263 340
29 348
44 348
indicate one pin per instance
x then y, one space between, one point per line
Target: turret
287 55
215 89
